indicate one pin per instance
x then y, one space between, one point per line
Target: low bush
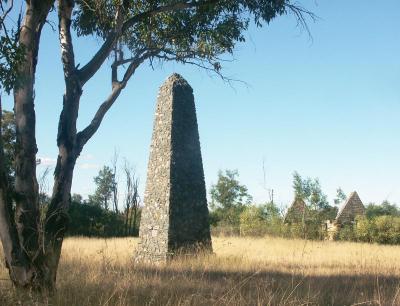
380 229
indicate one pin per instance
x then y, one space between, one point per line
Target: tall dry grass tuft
264 271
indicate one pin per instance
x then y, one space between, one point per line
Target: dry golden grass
244 271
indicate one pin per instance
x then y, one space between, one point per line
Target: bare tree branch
6 11
299 12
84 135
210 65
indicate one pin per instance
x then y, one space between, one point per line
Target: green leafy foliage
228 200
252 222
201 32
385 209
105 182
228 192
310 191
94 221
340 196
261 220
11 54
8 134
380 229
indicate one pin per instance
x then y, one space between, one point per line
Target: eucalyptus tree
131 33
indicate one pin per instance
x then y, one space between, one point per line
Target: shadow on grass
277 288
189 285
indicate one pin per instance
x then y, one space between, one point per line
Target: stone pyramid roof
350 209
296 211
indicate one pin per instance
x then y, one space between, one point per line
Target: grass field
244 271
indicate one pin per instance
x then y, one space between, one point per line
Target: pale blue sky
327 107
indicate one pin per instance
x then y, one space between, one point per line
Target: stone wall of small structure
297 212
352 208
175 214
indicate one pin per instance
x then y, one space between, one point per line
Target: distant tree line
233 213
99 215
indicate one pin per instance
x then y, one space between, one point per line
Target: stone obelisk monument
175 215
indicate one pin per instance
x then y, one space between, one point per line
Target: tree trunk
15 259
134 221
30 255
20 233
26 186
68 151
57 215
126 221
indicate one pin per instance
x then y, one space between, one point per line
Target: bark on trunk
57 215
127 221
26 186
20 233
15 259
134 221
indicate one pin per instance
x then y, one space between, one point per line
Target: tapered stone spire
175 214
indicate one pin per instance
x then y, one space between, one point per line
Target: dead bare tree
270 191
132 199
114 164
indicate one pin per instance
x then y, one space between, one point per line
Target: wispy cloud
86 156
47 161
85 163
86 166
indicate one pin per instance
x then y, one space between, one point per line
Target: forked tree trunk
68 150
57 216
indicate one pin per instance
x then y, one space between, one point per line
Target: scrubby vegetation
380 229
233 214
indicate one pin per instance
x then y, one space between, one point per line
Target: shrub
380 229
364 229
252 222
387 229
347 233
90 220
261 220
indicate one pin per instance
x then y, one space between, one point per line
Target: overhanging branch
87 71
87 133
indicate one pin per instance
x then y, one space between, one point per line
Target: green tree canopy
195 32
228 193
340 196
105 182
229 198
8 136
11 53
309 190
385 209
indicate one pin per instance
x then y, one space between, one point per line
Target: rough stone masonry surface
175 215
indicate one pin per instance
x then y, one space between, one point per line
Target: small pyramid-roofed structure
296 212
352 208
